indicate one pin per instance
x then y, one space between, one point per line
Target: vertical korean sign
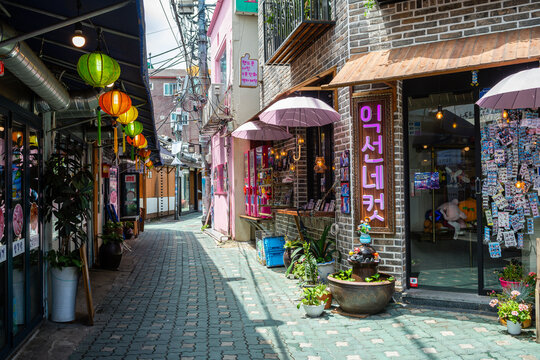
249 72
374 160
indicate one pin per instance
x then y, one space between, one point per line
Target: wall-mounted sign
130 178
374 161
249 72
3 253
247 7
2 69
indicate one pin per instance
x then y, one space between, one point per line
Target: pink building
233 34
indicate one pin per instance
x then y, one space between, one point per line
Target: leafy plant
511 309
292 244
299 271
112 233
204 227
305 257
514 272
377 278
68 194
312 295
128 225
58 260
343 275
323 248
368 6
520 292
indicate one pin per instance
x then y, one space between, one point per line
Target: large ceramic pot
313 310
326 269
513 328
110 255
64 293
358 297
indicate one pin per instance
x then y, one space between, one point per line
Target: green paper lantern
98 69
133 129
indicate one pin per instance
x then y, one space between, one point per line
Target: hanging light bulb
454 125
283 153
292 167
505 114
78 39
520 184
439 114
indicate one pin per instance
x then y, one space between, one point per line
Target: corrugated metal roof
471 53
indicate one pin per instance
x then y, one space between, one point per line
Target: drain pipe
21 61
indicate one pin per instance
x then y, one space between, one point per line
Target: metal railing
282 18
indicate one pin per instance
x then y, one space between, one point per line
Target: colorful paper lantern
98 69
133 129
129 116
114 102
138 141
145 153
149 164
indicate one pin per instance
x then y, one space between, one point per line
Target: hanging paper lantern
114 102
129 116
145 153
149 164
98 69
133 129
138 141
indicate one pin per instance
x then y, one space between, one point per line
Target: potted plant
110 252
513 311
311 300
290 246
323 249
128 229
513 274
68 189
302 258
521 293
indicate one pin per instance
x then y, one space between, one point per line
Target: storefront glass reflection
186 199
443 214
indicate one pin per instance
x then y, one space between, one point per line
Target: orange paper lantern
138 141
149 164
115 102
144 153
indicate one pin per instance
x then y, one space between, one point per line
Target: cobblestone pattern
190 299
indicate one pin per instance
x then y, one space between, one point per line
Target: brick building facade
391 25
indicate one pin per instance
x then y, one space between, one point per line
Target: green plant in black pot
110 252
128 229
68 190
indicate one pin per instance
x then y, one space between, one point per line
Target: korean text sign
374 160
249 71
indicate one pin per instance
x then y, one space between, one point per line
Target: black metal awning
123 32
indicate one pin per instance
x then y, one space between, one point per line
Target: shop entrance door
443 168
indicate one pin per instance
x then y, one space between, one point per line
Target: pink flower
523 307
515 293
515 313
493 302
532 273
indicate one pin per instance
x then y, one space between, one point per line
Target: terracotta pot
327 299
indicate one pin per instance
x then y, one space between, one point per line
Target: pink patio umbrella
257 130
300 112
517 91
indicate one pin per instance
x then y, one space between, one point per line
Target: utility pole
203 76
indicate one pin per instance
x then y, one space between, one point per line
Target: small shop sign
18 247
374 160
249 72
247 7
3 253
2 69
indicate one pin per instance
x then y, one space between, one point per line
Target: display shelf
293 212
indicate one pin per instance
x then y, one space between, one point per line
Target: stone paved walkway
188 298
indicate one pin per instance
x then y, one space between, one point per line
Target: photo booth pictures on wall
344 177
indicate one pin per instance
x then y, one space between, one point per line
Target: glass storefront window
3 237
442 171
186 199
33 206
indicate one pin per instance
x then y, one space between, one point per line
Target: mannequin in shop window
453 215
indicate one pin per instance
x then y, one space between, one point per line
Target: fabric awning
471 53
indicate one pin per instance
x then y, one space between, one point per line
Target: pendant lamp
149 164
98 69
138 141
115 102
129 116
145 153
133 129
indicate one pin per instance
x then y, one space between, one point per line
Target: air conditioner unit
186 7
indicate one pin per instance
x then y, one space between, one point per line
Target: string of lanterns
100 70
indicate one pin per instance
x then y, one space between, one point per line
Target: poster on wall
113 187
249 72
344 174
373 139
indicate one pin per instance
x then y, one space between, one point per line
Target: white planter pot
513 328
326 269
18 297
313 310
64 293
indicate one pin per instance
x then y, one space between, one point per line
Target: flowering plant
514 272
519 292
511 304
364 227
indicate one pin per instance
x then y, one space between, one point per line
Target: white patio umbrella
517 91
300 111
257 130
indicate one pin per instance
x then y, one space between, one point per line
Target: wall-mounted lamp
300 142
439 114
78 39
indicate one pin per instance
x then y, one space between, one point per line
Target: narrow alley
188 298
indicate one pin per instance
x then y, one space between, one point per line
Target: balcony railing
290 26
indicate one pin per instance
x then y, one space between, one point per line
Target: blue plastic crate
274 243
274 259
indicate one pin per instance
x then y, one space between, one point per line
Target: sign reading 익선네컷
249 72
248 7
374 161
